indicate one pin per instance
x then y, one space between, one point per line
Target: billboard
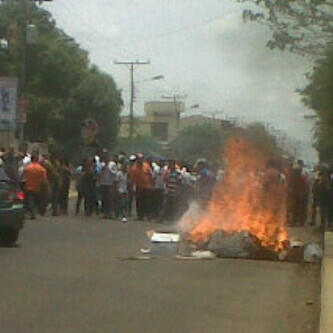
8 102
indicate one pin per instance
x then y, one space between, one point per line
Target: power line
132 64
181 29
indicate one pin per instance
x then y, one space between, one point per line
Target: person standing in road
122 179
297 195
87 186
173 180
107 179
205 182
141 175
11 163
320 199
54 177
78 174
35 180
159 170
131 185
65 174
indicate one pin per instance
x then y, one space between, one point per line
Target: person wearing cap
141 175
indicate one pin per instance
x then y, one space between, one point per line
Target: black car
11 209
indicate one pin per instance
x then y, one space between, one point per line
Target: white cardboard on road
159 237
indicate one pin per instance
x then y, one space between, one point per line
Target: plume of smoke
190 218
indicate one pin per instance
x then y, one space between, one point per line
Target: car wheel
9 237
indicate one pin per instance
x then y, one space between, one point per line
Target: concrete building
163 121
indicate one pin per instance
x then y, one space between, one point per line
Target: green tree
258 134
199 141
297 25
318 95
207 141
305 27
62 87
145 144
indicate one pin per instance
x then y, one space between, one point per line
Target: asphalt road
70 275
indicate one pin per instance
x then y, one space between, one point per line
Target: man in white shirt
159 170
107 180
122 179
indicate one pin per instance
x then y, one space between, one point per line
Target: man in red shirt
35 179
142 177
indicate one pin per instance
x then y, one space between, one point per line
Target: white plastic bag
313 253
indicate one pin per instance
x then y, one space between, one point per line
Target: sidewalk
326 315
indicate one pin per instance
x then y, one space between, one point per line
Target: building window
159 131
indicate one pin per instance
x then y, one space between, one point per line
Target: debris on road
241 245
163 237
233 245
296 251
136 258
283 255
188 257
163 243
313 253
203 254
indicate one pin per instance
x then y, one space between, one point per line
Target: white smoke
191 218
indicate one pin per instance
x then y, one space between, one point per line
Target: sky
204 51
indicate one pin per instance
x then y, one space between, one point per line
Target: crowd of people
309 194
158 189
161 189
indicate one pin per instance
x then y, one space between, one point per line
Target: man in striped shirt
173 178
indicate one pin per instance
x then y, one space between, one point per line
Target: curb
326 313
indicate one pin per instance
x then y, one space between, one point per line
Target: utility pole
23 66
175 99
132 65
25 22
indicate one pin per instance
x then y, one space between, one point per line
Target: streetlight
154 78
157 77
133 98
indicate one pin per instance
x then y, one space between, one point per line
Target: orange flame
250 198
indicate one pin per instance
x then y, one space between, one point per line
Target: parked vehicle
11 210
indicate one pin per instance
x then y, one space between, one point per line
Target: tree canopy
62 87
318 95
300 26
207 141
199 141
305 27
145 144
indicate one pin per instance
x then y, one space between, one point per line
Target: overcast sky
203 49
